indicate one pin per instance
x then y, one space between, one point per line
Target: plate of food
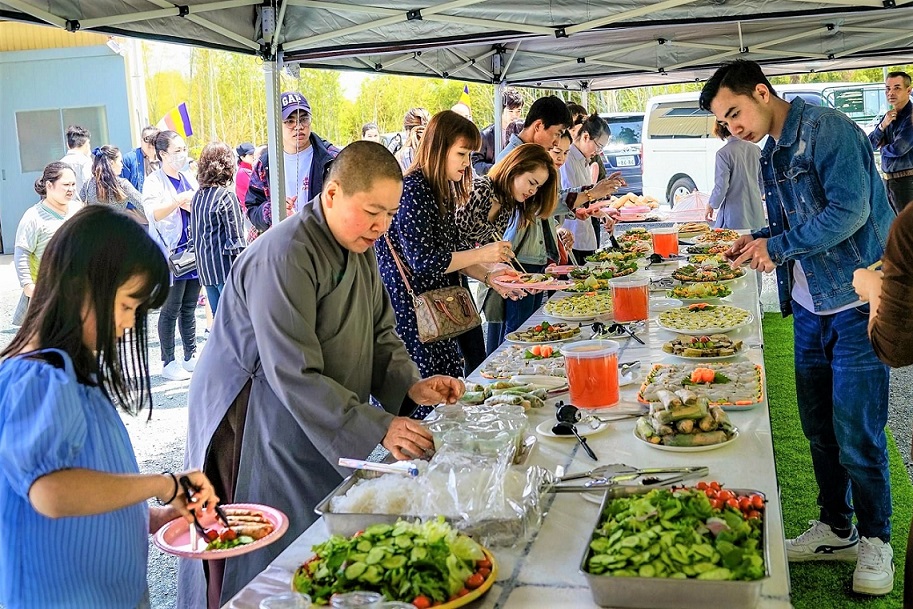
612 255
552 384
708 248
733 385
544 332
729 439
691 273
518 359
700 259
424 564
701 318
590 284
683 421
251 526
689 230
715 347
581 307
717 235
531 281
560 269
605 270
636 234
699 292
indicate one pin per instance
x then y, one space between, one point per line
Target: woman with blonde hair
521 188
424 236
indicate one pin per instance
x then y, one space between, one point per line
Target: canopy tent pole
271 71
499 101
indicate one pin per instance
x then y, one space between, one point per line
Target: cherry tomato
421 602
744 503
718 503
702 486
474 581
484 572
715 485
757 502
483 564
733 503
711 494
462 592
751 514
227 535
537 329
212 535
727 495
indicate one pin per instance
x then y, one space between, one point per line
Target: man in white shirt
306 157
79 154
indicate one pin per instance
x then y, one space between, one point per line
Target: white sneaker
819 542
173 371
190 364
874 572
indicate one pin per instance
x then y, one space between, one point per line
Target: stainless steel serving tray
665 593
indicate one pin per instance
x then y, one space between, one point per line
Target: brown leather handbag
442 313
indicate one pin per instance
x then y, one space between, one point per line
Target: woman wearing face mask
106 187
414 125
57 189
167 194
426 239
521 187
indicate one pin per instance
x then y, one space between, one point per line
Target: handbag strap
401 269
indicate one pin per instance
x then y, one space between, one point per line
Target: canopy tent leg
271 70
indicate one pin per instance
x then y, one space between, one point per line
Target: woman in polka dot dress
425 237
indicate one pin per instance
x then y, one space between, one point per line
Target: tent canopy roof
559 43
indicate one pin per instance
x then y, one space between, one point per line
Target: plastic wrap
488 430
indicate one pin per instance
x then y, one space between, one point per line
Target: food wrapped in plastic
485 497
483 429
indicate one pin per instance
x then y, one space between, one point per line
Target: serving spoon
563 428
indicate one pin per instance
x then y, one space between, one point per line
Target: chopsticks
514 262
875 266
402 467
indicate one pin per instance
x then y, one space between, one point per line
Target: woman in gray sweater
106 187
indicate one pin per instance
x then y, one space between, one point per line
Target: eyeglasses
292 122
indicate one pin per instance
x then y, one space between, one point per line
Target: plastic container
630 298
357 600
592 373
665 241
286 600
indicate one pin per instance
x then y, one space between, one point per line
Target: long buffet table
545 572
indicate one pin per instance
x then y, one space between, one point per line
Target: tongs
606 476
190 489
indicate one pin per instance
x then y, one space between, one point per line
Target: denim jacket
821 174
896 141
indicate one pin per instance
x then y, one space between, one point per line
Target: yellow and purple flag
177 120
464 98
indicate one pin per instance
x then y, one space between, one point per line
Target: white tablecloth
545 572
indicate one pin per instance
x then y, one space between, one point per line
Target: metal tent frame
560 44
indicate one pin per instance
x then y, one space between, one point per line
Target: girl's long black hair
93 254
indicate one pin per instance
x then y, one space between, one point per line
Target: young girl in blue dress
72 501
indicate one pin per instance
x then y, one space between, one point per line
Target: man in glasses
306 156
140 162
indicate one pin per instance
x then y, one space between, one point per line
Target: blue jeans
213 293
516 312
842 391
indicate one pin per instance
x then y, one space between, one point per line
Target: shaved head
362 163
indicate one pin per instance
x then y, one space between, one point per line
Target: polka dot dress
424 241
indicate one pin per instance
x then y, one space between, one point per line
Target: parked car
624 150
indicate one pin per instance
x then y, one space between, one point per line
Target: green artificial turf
820 585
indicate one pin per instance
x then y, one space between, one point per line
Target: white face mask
177 161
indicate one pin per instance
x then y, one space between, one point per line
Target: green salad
407 561
676 534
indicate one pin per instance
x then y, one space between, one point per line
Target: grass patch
821 585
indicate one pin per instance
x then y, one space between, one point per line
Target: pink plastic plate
516 281
562 269
174 537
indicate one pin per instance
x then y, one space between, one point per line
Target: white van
679 148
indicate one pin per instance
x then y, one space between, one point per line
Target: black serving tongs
607 476
599 328
190 489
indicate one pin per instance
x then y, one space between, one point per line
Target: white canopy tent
565 44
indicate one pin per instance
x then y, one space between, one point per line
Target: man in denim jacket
828 215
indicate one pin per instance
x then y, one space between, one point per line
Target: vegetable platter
684 422
704 348
544 332
612 255
736 385
424 564
707 272
717 235
700 292
678 548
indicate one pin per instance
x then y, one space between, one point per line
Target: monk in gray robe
303 339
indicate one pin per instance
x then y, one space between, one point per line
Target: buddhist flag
464 98
177 120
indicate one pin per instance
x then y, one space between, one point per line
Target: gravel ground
159 443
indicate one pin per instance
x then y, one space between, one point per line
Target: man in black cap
306 158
